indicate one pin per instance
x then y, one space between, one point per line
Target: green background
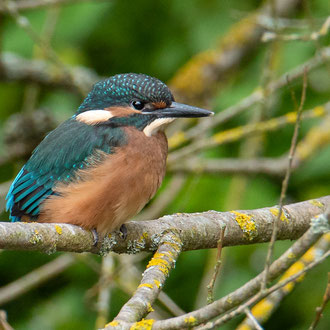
157 38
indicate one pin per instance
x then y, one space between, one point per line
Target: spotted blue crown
122 89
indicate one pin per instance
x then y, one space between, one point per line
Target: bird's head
134 100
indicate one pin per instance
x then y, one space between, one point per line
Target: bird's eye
138 105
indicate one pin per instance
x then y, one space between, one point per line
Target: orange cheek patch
159 105
122 111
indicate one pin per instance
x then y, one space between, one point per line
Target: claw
123 231
95 236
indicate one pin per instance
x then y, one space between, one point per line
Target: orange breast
112 192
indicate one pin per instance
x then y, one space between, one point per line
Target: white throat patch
94 116
156 125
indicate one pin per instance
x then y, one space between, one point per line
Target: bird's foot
123 231
95 237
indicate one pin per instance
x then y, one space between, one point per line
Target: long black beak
179 110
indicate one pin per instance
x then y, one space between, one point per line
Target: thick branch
197 230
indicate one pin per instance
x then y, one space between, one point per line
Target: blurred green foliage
157 38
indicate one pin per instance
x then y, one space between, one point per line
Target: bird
100 167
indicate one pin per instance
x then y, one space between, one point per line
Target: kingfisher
100 167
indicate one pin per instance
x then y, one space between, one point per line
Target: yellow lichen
143 325
176 139
228 135
246 223
291 117
149 308
294 269
112 324
190 320
309 256
316 138
58 229
316 203
158 284
243 326
191 79
143 237
275 212
162 264
291 255
145 285
36 238
319 111
326 237
229 300
175 246
262 309
240 33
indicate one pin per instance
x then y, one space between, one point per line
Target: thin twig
239 310
4 325
104 297
270 36
285 182
210 287
319 310
253 319
267 306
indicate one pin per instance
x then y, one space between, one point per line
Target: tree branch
322 56
35 278
263 310
153 279
197 230
319 225
16 68
234 134
36 4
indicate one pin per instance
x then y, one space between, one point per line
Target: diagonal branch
245 292
153 279
267 306
257 96
234 134
34 278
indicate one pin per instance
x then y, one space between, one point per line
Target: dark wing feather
71 146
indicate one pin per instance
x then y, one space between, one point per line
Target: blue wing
70 147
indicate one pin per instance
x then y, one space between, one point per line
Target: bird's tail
10 198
